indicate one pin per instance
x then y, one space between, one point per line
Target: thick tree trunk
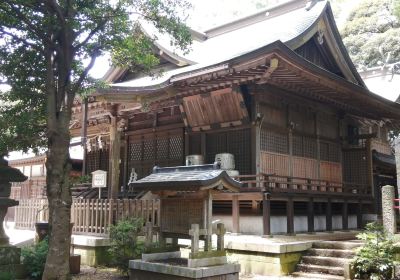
59 196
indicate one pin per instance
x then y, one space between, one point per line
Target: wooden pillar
310 215
115 151
235 214
290 140
370 171
187 143
359 215
345 215
317 132
329 215
84 134
125 172
266 214
208 221
290 216
255 148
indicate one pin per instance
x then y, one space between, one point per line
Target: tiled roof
187 178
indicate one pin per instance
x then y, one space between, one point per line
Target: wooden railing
283 184
90 216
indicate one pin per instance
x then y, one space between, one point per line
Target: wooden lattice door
165 148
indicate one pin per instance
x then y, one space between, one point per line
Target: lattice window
236 142
162 148
238 145
324 151
274 142
148 149
355 166
135 151
334 152
298 146
310 147
92 161
176 147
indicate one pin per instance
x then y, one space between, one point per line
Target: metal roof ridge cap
247 20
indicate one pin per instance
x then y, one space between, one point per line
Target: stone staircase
327 260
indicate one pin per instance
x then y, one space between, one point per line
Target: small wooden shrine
186 194
186 198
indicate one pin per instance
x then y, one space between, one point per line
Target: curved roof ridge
269 12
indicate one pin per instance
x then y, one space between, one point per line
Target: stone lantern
9 255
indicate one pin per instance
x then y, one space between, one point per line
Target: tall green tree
372 33
47 48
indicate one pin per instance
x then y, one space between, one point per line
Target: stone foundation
265 263
142 270
93 251
136 274
10 264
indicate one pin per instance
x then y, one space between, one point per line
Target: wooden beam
359 215
290 216
329 215
310 215
345 218
235 214
266 214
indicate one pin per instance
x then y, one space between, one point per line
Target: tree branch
85 72
57 9
23 41
91 34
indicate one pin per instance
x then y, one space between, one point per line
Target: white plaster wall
253 224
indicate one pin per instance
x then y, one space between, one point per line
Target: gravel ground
103 273
99 273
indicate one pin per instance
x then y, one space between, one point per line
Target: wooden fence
90 216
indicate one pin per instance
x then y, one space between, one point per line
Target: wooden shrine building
276 89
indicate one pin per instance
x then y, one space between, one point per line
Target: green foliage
372 34
81 179
34 258
124 242
396 8
48 48
6 276
374 260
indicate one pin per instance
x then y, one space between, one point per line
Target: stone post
194 232
397 155
388 212
220 237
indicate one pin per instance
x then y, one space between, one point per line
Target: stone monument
9 255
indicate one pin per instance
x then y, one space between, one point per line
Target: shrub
6 276
34 258
124 242
374 260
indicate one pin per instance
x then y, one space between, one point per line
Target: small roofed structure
186 194
186 197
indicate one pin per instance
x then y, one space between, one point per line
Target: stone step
324 261
338 271
316 276
336 245
338 253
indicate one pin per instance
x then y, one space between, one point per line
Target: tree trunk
60 200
